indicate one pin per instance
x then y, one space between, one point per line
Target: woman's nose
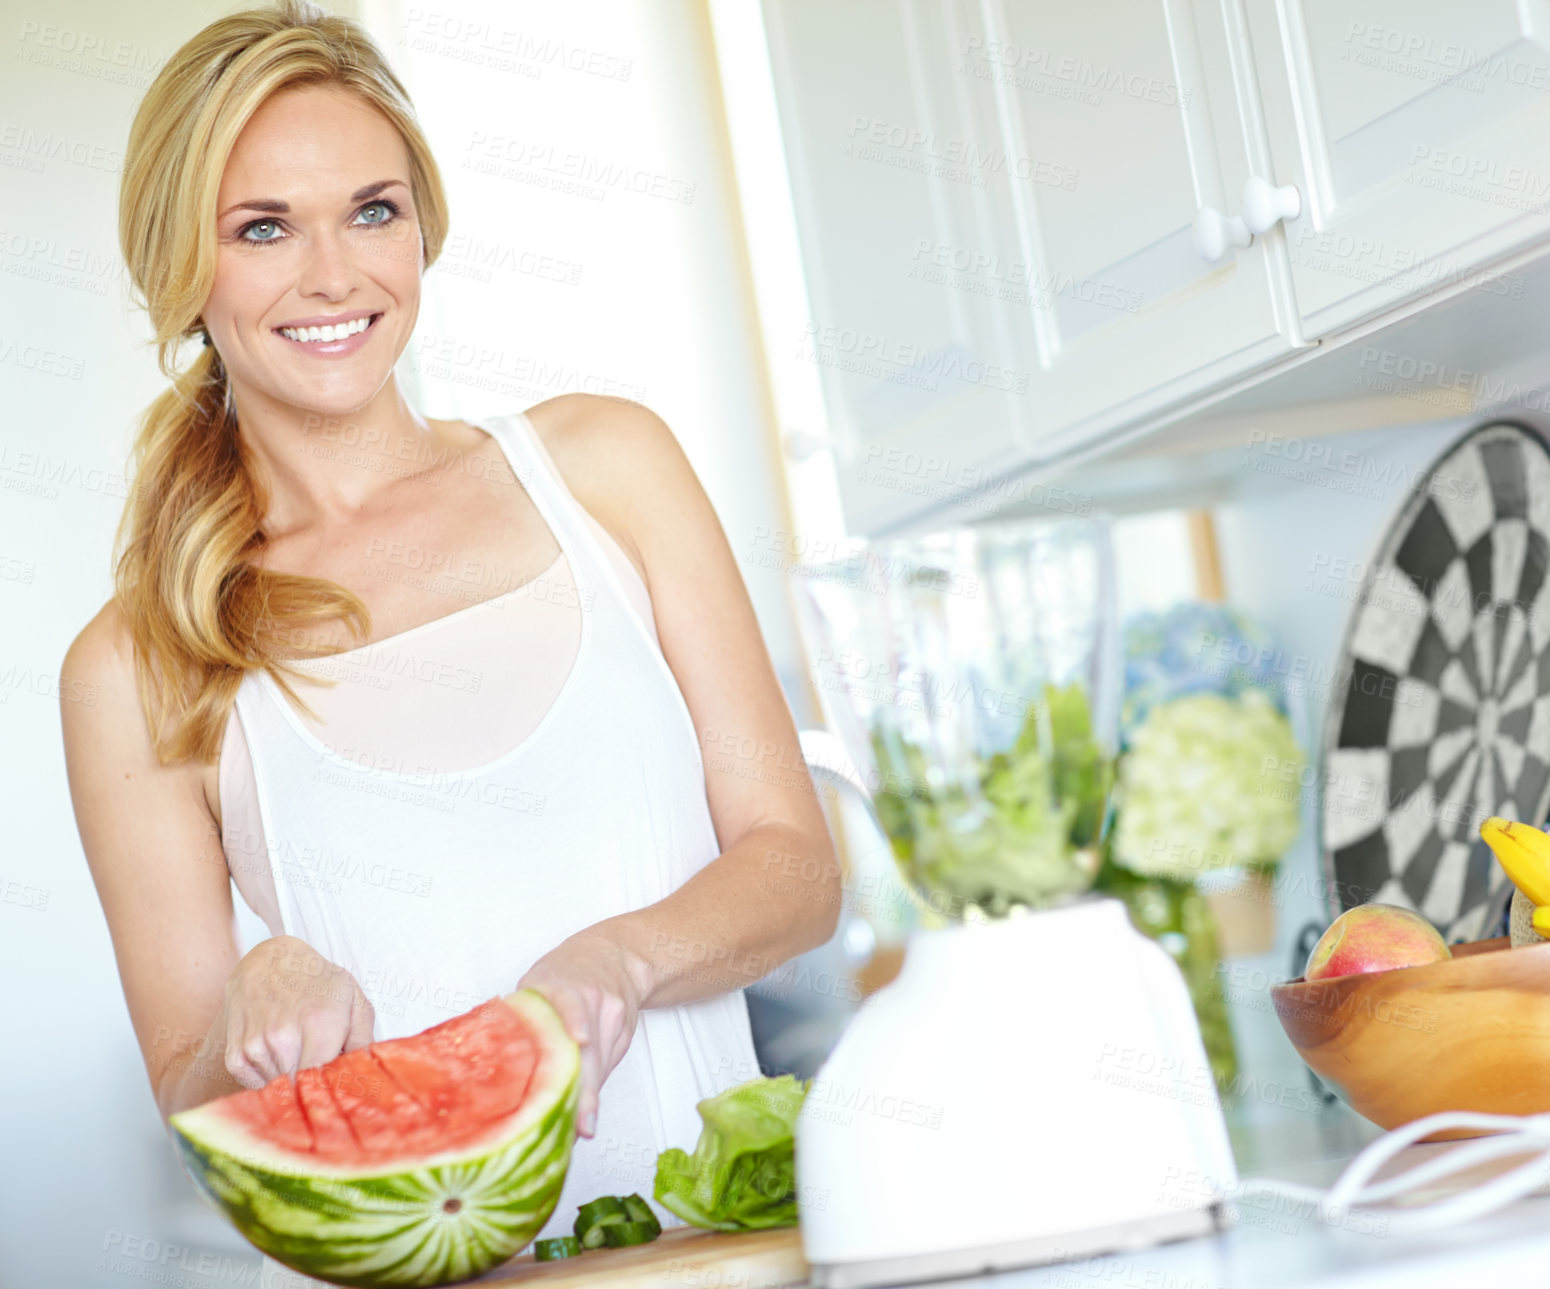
328 267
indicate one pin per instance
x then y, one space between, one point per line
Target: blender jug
973 677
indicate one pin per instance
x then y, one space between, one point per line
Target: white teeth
337 332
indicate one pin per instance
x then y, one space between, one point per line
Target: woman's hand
288 1008
596 986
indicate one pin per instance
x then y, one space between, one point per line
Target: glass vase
1179 918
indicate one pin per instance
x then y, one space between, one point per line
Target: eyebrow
271 207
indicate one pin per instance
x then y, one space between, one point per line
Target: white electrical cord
1519 1134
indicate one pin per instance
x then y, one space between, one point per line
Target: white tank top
437 885
438 670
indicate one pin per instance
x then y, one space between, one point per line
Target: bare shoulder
100 658
99 700
623 463
598 440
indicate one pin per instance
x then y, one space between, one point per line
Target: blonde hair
199 612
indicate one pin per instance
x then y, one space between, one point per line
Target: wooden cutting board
681 1256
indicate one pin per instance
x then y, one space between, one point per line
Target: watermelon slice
415 1161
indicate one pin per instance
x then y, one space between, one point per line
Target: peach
1375 937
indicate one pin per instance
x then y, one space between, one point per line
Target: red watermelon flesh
332 1137
276 1112
386 1116
392 1098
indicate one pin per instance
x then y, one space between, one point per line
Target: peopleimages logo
893 676
894 352
895 467
933 261
1080 73
1313 455
1484 389
925 144
1299 674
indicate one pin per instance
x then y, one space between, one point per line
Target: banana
1524 852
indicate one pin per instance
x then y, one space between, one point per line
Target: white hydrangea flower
1193 795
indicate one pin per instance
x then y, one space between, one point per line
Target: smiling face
315 223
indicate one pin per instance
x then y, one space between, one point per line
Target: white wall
632 285
659 313
88 1163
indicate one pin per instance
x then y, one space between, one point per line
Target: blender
1032 1087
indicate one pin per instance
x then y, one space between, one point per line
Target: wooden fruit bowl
1471 1033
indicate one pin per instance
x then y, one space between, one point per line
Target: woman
564 762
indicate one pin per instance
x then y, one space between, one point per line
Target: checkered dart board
1440 714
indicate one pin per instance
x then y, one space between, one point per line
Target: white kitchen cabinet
1418 135
996 206
923 368
1152 103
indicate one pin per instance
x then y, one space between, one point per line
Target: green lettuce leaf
742 1174
1021 827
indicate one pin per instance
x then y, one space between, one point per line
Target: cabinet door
1418 136
1151 102
895 182
995 201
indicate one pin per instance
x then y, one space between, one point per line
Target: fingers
251 1058
622 1037
271 1031
586 1108
363 1023
247 1055
601 1024
287 1045
323 1035
238 1066
282 1043
617 1029
578 1023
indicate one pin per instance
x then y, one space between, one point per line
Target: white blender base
1028 1090
948 1263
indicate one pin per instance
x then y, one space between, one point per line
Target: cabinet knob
1264 205
1215 232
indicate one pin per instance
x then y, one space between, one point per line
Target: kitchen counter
1277 1244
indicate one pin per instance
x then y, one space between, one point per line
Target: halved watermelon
415 1161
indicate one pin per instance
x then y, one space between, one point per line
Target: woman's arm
210 1020
775 890
156 860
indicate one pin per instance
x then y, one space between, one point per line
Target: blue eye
392 210
258 223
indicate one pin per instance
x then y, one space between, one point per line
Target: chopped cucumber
620 1235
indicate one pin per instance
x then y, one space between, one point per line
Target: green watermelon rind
389 1227
393 1231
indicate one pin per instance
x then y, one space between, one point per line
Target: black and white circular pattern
1442 715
